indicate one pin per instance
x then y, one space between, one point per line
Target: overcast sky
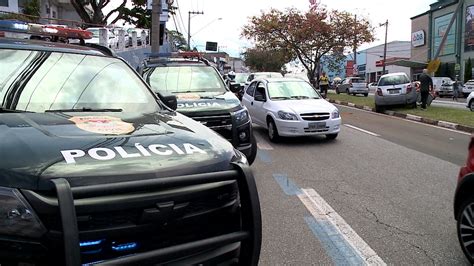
235 14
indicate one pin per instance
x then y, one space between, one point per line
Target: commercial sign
469 34
418 38
440 27
379 63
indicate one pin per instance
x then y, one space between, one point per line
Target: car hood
93 148
192 103
306 106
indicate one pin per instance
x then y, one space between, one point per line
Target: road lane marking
264 156
409 121
323 212
362 130
287 185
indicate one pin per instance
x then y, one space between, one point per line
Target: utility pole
155 26
355 41
189 25
385 46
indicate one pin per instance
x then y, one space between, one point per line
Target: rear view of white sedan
290 107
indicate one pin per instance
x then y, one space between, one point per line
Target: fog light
243 135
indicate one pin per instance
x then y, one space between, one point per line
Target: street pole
155 26
189 25
355 41
385 47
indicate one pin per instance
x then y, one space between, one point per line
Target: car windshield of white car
393 80
291 90
36 81
241 77
185 79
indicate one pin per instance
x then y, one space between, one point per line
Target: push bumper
290 128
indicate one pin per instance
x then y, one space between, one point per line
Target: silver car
394 89
353 85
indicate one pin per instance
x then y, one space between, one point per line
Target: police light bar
191 54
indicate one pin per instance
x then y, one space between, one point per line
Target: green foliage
263 60
468 70
32 8
178 40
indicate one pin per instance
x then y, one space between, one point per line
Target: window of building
4 3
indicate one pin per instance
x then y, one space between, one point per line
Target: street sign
211 46
457 67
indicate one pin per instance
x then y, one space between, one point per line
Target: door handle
251 103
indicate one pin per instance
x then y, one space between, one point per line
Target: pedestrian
426 85
324 84
455 89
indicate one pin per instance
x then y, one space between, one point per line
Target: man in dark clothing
426 84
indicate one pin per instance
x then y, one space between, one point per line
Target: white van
443 86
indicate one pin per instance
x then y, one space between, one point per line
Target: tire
272 131
331 136
378 108
466 209
465 95
471 105
253 150
366 94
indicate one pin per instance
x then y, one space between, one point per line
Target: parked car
290 107
99 169
353 85
395 89
203 96
468 88
470 101
443 86
112 38
464 205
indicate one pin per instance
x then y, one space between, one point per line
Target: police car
97 168
203 96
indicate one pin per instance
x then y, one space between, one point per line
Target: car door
247 99
344 85
260 97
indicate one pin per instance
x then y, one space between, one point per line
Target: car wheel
366 94
465 95
273 131
331 136
253 150
471 105
465 229
378 108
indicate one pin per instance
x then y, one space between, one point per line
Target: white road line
322 211
410 121
362 130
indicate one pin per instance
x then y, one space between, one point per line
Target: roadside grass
458 116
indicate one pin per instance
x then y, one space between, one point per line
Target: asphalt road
393 186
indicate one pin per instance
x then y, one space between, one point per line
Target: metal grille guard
250 236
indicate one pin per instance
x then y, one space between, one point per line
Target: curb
416 118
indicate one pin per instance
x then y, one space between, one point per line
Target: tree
264 60
178 40
90 12
309 36
32 8
468 70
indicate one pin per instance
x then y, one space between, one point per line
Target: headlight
241 116
240 158
16 215
335 114
287 116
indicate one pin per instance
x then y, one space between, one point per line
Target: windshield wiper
186 91
6 110
280 98
84 109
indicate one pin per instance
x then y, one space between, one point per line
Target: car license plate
393 91
317 125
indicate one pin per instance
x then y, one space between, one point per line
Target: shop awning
407 63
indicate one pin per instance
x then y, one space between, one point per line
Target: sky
235 14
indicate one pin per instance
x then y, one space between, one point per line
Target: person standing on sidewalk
324 84
455 89
426 84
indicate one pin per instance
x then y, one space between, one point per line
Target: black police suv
203 96
96 169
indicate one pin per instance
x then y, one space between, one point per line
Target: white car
290 107
470 101
112 41
468 87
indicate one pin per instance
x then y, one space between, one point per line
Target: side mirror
234 87
170 101
259 98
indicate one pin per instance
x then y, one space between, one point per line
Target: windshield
393 80
241 77
268 75
38 81
358 80
287 90
184 79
